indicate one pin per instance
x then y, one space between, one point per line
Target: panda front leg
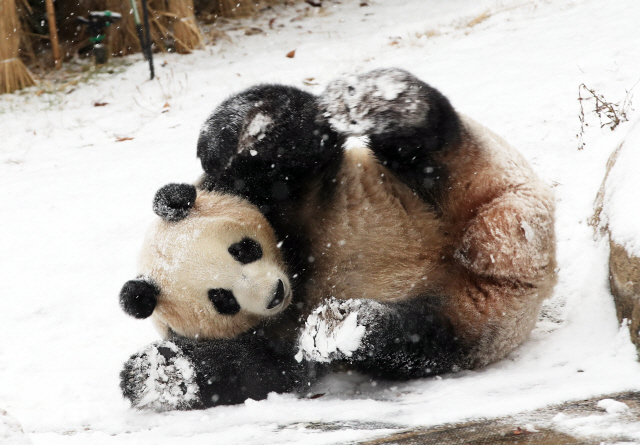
181 374
406 121
265 143
398 340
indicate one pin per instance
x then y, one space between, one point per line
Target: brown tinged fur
491 253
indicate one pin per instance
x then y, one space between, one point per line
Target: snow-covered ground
76 202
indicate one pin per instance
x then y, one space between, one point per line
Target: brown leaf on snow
100 104
518 431
291 54
252 31
123 139
166 105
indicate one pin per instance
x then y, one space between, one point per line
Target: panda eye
224 301
246 251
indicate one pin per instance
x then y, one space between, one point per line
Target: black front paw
160 378
338 330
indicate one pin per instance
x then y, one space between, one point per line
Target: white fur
188 258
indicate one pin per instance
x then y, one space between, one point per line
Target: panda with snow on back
426 247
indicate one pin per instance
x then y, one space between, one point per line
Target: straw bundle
186 33
235 8
13 74
122 36
172 23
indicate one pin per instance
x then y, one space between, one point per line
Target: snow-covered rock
11 432
618 218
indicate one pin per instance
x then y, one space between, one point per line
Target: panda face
219 271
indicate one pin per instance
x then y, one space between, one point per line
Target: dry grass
236 8
610 114
173 26
479 19
14 75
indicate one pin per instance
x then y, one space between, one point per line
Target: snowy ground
76 202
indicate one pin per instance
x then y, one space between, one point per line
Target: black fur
227 372
405 340
224 301
173 201
138 298
265 143
246 251
250 367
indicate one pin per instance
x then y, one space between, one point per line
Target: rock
617 218
624 277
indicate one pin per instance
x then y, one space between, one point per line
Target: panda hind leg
406 121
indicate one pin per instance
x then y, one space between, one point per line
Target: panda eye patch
224 301
246 251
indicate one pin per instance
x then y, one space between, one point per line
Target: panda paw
160 378
337 330
377 102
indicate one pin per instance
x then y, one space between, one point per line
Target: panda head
209 267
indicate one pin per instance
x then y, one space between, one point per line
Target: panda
372 227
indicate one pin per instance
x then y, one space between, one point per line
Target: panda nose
278 298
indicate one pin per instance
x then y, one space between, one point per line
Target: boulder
624 277
617 217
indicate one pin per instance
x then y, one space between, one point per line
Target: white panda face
219 271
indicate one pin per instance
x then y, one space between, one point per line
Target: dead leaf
271 22
518 431
100 104
123 139
252 31
314 3
310 81
291 54
315 396
166 105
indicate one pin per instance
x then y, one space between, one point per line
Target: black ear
173 201
138 298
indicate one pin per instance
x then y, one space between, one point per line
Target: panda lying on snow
426 251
